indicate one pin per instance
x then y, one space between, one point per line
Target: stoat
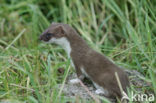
87 62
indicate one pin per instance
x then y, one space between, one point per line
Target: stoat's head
56 34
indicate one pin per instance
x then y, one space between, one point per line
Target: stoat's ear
60 29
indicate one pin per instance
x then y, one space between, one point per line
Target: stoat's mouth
49 42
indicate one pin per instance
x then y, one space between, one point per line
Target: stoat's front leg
80 76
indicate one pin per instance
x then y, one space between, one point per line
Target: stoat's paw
99 91
74 81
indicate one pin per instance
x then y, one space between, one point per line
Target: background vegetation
124 30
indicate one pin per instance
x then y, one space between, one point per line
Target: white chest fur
62 42
65 45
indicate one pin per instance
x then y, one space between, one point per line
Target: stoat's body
87 61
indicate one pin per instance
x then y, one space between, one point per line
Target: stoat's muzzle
45 37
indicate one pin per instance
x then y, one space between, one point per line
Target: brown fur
100 69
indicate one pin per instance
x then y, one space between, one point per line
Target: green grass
123 30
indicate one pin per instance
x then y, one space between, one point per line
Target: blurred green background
123 30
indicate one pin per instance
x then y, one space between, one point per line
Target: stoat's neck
66 46
74 44
77 44
64 43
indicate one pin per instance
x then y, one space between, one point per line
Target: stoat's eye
48 35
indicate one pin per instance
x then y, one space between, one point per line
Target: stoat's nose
42 36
